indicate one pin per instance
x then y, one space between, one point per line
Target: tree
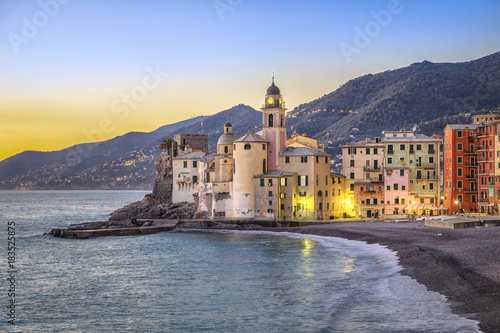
166 144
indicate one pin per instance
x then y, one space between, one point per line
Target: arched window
226 150
320 194
264 166
248 146
227 129
270 121
281 121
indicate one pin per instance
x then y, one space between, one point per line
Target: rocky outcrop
158 204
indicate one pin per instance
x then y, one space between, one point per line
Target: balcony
470 190
483 200
482 159
371 169
426 165
492 183
481 148
431 177
471 176
470 151
471 164
471 138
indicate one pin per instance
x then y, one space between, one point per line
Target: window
351 151
459 184
459 172
473 197
352 163
282 206
403 201
389 160
396 187
459 146
459 134
375 151
195 164
208 177
263 146
304 180
287 159
403 187
317 159
248 146
270 194
459 198
326 193
352 175
282 195
283 181
264 166
234 147
422 200
402 160
419 147
402 147
326 180
367 151
270 204
432 200
459 159
317 180
326 159
390 149
388 187
262 182
185 164
269 182
431 186
351 188
396 201
270 120
303 159
402 172
226 150
431 159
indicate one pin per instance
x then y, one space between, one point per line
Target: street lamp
456 203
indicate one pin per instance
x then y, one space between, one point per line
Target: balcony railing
470 151
471 164
471 138
471 176
431 177
372 169
426 165
471 189
484 200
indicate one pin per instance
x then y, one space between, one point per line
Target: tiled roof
463 126
251 137
190 156
208 158
301 151
275 174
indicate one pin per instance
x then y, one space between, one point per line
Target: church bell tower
273 125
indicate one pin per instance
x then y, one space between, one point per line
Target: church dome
273 90
226 139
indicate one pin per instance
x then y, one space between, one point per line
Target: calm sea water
201 281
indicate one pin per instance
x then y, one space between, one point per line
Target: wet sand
463 264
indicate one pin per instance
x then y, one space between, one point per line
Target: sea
198 280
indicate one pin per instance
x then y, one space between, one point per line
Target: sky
74 71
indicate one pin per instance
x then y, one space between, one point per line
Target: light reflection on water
205 281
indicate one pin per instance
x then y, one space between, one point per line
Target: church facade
261 175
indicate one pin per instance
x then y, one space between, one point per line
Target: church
262 175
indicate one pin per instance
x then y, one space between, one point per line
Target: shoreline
463 265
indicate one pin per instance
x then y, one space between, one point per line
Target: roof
301 151
273 90
208 158
368 143
417 138
333 174
275 174
226 139
463 126
251 137
190 156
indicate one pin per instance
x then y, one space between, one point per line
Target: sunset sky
87 70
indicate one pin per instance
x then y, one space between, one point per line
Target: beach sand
463 264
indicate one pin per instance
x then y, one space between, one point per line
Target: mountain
124 162
401 98
427 95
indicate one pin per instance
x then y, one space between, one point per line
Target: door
369 213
